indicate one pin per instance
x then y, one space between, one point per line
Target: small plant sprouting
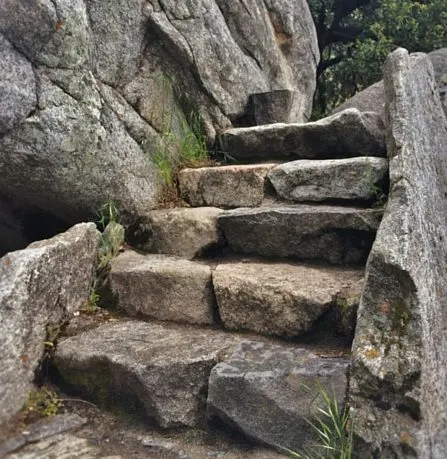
107 213
42 403
334 431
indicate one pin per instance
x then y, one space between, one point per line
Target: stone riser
180 377
270 298
345 180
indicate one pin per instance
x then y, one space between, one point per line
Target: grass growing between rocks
333 428
112 238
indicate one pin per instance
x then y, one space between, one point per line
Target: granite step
346 134
178 376
329 233
224 186
286 299
351 179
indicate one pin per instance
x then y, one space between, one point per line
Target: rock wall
87 89
399 378
40 287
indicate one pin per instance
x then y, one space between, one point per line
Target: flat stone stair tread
160 371
346 134
271 392
360 178
336 234
162 287
224 186
181 231
282 299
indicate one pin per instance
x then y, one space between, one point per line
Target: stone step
158 371
184 232
361 178
162 287
335 234
177 376
272 392
286 299
346 134
224 186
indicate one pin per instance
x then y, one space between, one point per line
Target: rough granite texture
88 87
41 285
161 370
281 299
360 178
163 287
399 378
343 135
269 392
224 186
184 232
331 233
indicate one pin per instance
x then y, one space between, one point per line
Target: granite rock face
398 383
346 134
359 178
269 392
281 299
163 287
183 232
88 87
40 286
160 370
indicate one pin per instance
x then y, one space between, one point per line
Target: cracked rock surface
87 88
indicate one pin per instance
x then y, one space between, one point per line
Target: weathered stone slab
225 186
261 390
359 178
400 346
343 135
163 287
41 285
330 233
280 298
162 370
183 232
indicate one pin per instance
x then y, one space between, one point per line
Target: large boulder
40 286
88 89
372 99
399 378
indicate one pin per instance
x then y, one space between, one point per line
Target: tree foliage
354 37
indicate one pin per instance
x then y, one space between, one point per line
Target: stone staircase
232 310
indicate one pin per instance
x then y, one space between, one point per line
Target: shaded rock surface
343 135
359 178
225 186
261 390
181 231
280 298
163 287
372 99
40 286
399 351
87 433
330 233
159 371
